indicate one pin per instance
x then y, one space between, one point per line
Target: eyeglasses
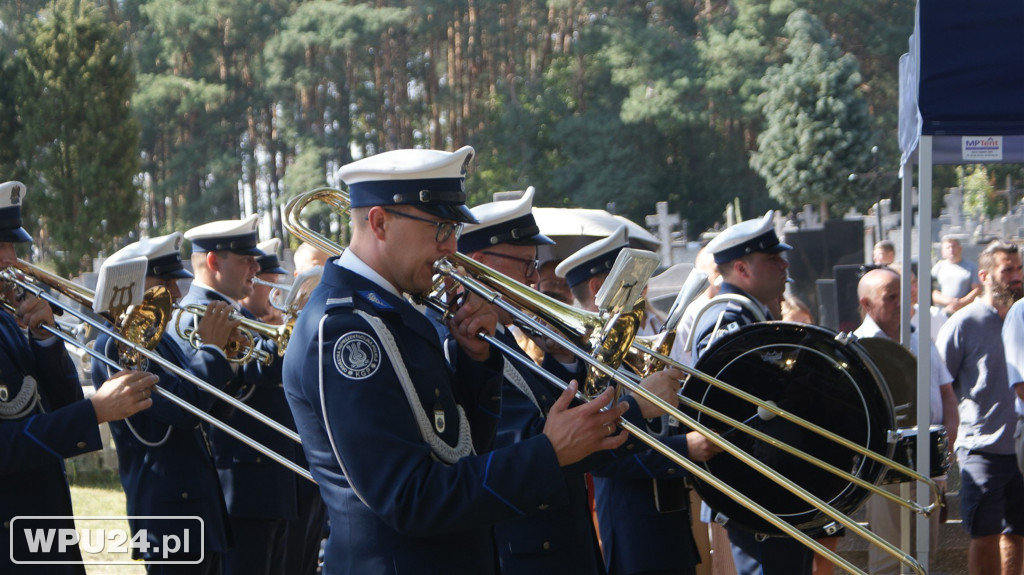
528 265
444 229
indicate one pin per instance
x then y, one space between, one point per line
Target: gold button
671 471
7 524
630 446
547 545
184 495
542 506
81 444
259 460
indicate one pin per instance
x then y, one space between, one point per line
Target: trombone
585 325
158 302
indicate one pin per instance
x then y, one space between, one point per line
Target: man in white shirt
879 296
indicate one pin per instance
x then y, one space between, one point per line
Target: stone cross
730 215
809 218
665 223
954 207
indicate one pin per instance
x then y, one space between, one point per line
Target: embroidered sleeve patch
356 355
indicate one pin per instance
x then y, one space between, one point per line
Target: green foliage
73 81
241 103
818 127
980 200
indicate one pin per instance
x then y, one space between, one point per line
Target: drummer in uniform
401 443
750 258
641 498
164 461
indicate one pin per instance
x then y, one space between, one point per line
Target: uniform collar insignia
377 301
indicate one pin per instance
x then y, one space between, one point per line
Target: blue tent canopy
961 102
963 82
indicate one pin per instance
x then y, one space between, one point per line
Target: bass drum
806 371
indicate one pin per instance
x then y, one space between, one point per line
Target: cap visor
456 212
274 270
15 235
249 252
534 240
181 274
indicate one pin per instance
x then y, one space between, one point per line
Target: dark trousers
259 547
302 547
773 556
212 564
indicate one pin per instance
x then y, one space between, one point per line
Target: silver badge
439 423
4 394
356 355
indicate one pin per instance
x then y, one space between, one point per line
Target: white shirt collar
234 303
350 261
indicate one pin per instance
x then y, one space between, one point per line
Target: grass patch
99 493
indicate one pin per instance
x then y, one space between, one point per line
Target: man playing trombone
43 414
164 462
401 444
641 498
259 493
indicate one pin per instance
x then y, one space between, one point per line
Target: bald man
879 295
307 256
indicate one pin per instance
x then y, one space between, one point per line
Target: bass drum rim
811 372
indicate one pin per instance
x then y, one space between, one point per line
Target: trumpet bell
807 371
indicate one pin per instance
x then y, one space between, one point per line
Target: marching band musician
260 493
258 302
400 444
641 498
749 257
303 534
42 410
164 461
562 539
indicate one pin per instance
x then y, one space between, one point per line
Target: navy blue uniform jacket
395 506
32 476
174 474
775 555
255 486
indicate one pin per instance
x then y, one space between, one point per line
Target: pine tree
73 84
818 126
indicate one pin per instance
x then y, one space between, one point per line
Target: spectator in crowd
992 489
879 295
884 253
955 280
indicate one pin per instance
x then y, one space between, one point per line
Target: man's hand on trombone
473 316
665 385
576 432
124 394
33 312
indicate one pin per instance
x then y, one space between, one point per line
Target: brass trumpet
237 351
297 294
586 334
